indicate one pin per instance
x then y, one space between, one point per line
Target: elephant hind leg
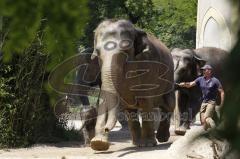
148 136
169 102
121 117
134 126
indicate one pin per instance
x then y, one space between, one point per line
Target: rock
192 145
197 144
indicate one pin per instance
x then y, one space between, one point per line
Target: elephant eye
110 45
125 44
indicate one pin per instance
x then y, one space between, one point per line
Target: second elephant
187 64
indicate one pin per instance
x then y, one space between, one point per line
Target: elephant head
186 65
117 37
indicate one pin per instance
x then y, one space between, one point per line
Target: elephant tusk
146 50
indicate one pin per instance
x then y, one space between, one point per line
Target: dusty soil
121 147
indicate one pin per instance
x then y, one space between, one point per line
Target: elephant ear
95 52
140 44
175 50
199 63
97 32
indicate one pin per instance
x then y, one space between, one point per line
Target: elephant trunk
177 111
112 68
107 111
112 114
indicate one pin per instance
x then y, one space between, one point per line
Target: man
209 86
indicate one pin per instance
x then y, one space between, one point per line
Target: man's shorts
208 109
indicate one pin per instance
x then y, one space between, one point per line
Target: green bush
34 37
24 107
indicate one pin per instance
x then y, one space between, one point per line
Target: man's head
207 70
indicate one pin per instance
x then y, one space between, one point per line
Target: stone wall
216 24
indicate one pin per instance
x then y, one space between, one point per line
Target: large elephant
187 64
137 73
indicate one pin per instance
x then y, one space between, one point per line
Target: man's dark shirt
209 88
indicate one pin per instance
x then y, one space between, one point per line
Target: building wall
215 24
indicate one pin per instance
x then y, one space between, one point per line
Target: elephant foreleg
148 135
147 114
100 141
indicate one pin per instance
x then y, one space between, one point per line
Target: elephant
137 74
187 64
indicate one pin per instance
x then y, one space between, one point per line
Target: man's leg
202 112
209 115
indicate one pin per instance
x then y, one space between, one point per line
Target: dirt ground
121 147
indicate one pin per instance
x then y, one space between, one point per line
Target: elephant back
162 54
215 57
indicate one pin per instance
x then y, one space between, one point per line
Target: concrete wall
216 24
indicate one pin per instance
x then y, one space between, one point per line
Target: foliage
35 36
122 9
7 111
23 113
174 22
61 21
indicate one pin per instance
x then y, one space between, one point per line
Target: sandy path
178 147
121 147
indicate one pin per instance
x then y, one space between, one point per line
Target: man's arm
187 84
222 95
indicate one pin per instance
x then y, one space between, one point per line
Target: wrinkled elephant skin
136 73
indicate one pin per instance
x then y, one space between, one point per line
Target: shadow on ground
163 146
134 149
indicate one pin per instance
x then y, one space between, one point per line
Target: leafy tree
61 22
176 24
173 21
35 36
122 9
